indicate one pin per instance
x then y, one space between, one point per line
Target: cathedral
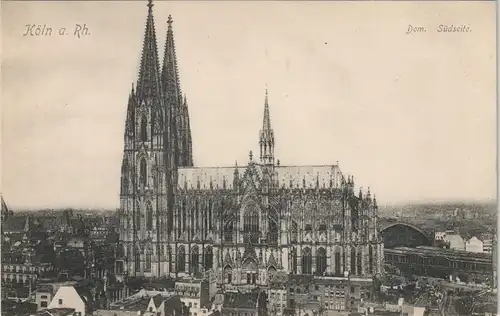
239 224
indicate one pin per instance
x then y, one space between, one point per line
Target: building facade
241 223
436 262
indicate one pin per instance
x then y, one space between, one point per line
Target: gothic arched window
169 255
337 262
251 221
370 259
137 260
192 221
321 261
179 217
358 262
271 272
125 176
293 256
156 181
184 213
294 232
144 128
306 261
273 232
228 231
194 260
143 172
353 260
208 261
343 259
148 261
209 215
149 216
137 216
181 259
228 273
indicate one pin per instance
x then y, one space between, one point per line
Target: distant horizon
396 204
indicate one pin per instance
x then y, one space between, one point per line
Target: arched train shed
397 234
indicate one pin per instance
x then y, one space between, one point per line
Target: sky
412 116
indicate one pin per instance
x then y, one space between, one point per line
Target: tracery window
184 213
353 260
204 220
370 259
271 272
228 274
337 262
137 260
321 261
197 224
180 210
228 231
251 221
209 215
343 259
192 215
144 128
143 172
358 262
149 216
194 260
181 259
125 176
208 261
156 181
273 232
293 256
306 261
169 254
294 232
148 261
137 217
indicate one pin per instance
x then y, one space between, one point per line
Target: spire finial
150 5
169 21
250 155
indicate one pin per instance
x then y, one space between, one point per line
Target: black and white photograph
248 158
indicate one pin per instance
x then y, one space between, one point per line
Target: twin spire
160 90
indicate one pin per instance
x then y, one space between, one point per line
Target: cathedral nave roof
324 176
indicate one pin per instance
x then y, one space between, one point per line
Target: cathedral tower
157 141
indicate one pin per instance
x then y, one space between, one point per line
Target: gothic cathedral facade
239 224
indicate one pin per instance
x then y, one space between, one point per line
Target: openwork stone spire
176 107
170 70
148 85
266 124
266 141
